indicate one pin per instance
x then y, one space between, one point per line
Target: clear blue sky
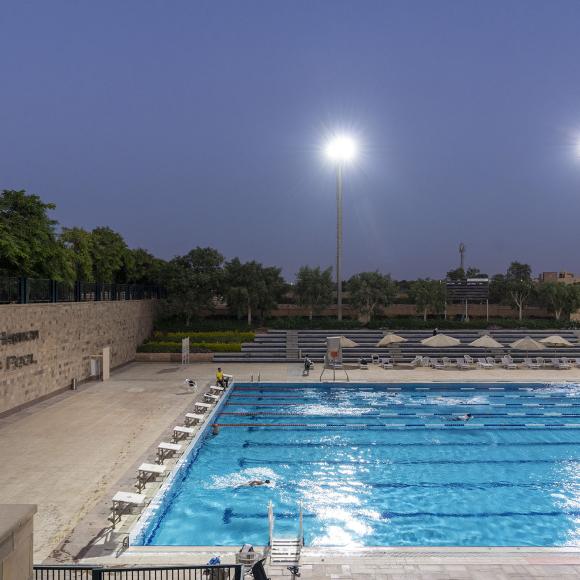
182 123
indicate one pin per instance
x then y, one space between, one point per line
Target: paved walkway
71 453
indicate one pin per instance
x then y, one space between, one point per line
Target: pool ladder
285 550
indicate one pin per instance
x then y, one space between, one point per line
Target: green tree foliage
194 282
559 298
77 243
251 288
519 285
456 275
369 291
28 242
314 288
428 294
146 268
108 253
498 291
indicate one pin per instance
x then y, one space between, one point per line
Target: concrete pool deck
71 453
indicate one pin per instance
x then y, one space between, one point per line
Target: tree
369 290
108 249
456 275
498 292
146 268
77 243
314 288
194 282
251 288
428 294
559 298
28 242
519 285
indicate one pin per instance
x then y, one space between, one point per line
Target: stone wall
43 347
16 541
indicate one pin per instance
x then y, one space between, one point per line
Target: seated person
221 379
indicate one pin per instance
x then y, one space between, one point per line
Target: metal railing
59 572
14 290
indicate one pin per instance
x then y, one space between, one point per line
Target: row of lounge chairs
125 501
467 362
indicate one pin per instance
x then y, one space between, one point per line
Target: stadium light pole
340 150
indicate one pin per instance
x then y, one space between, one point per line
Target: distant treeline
32 244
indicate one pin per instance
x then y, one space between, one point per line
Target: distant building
562 277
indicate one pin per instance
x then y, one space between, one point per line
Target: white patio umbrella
527 343
486 341
390 338
440 341
345 342
555 340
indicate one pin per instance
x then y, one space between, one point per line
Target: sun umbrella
527 343
390 338
440 341
486 341
345 342
555 340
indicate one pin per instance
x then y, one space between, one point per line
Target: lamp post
340 150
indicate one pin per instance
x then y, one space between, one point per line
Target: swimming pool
383 465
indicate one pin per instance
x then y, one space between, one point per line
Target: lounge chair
490 360
530 364
566 361
363 364
543 362
447 362
557 364
426 362
468 359
508 363
375 359
462 364
386 363
577 362
482 363
416 361
437 364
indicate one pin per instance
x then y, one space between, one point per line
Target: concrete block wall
16 541
68 335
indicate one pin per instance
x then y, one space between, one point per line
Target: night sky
181 123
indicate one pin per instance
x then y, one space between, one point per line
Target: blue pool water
384 465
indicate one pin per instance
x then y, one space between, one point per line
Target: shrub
155 346
232 336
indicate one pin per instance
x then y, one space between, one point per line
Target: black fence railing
59 572
15 290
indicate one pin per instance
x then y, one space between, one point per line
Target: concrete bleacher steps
290 346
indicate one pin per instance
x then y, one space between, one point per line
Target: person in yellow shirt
220 379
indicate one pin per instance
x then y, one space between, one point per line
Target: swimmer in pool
464 418
255 483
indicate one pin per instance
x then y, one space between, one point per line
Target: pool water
384 465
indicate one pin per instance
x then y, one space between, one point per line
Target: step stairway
292 348
285 551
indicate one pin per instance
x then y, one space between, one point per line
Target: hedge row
216 336
155 346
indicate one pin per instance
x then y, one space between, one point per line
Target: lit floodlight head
341 149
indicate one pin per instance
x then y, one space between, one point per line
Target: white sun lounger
468 359
181 432
462 364
202 407
556 363
363 366
508 363
437 364
482 363
193 419
490 360
148 471
165 450
123 501
530 364
416 361
386 363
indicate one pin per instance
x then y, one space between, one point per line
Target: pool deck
71 453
